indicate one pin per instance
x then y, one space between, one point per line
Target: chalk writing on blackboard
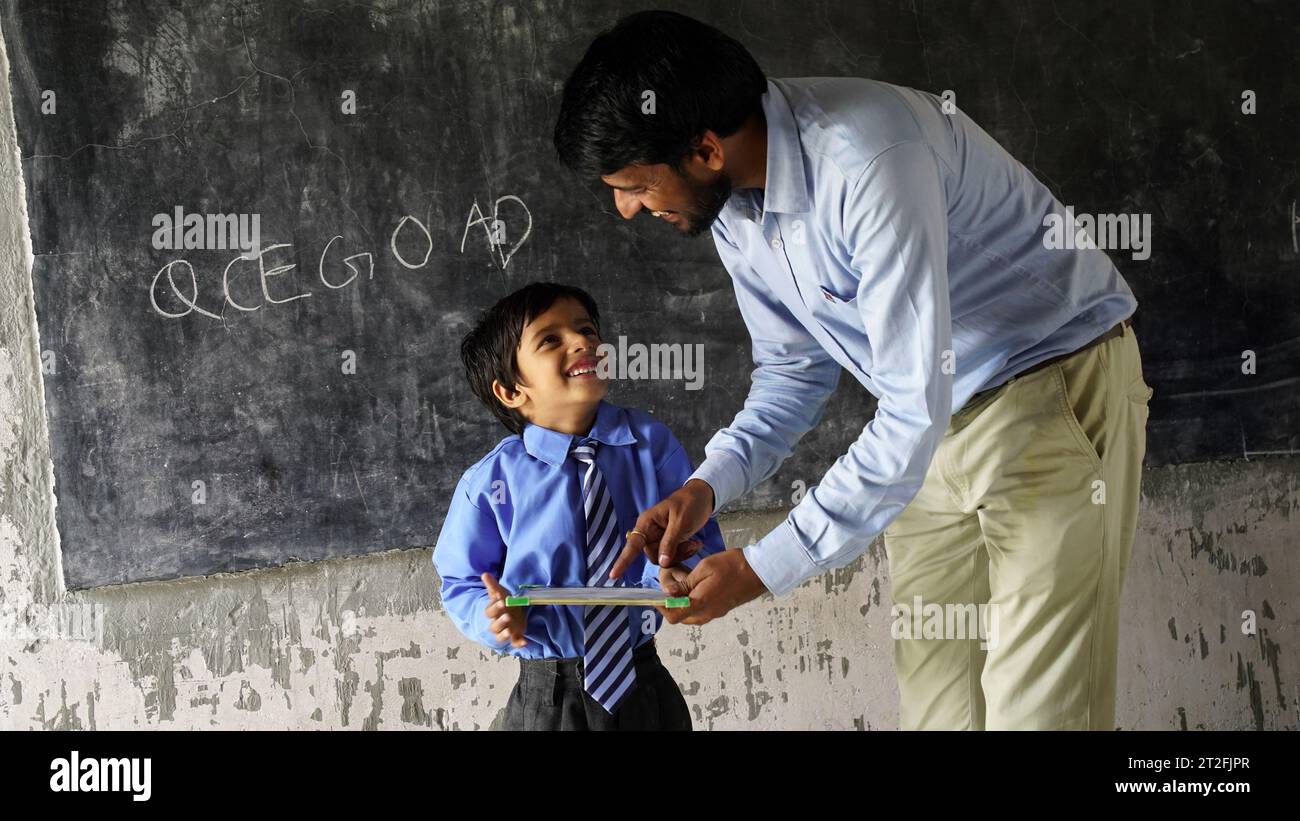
175 293
496 230
392 243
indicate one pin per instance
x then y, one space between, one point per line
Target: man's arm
792 379
896 228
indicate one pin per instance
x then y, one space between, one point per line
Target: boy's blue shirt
517 514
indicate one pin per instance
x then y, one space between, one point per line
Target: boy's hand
507 622
672 580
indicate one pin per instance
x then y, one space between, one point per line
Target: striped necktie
608 672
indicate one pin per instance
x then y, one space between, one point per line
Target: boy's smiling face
556 359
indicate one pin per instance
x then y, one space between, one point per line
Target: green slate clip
520 600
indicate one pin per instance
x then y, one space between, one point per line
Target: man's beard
707 202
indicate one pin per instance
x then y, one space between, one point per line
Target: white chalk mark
320 268
191 303
489 222
496 208
225 287
370 261
277 271
392 242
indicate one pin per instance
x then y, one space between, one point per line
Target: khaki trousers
1027 515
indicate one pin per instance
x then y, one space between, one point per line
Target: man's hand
508 622
718 584
666 526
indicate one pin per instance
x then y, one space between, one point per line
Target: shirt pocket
839 312
839 316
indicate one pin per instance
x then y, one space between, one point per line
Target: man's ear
506 396
707 151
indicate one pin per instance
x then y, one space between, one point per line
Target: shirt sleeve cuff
723 475
780 560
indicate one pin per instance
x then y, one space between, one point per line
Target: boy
552 505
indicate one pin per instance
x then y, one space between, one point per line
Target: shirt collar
786 188
552 447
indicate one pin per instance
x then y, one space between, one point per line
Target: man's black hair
701 78
488 350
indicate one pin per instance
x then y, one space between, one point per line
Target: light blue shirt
517 513
904 245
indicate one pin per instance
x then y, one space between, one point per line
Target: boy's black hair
488 350
701 78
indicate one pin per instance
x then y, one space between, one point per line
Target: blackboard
238 108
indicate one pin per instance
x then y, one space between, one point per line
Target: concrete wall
363 643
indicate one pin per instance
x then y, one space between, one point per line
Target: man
869 227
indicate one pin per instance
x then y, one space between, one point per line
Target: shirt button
776 243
